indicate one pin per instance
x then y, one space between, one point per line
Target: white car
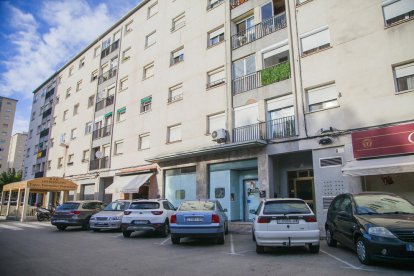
285 222
147 215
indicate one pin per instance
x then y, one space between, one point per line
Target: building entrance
301 186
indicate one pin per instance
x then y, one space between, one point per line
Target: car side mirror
225 210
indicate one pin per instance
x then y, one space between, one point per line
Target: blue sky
39 36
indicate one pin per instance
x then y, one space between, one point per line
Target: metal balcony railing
49 93
235 3
104 103
261 78
101 163
107 75
214 4
110 49
274 129
258 31
102 132
38 174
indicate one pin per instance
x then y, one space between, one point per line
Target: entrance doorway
301 186
252 198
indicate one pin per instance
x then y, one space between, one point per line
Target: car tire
253 236
222 238
260 249
362 251
165 230
175 240
126 234
314 248
61 227
227 228
329 238
96 230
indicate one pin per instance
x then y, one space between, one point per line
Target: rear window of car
197 206
91 205
117 206
285 207
68 206
144 205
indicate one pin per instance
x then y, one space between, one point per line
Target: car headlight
115 218
93 218
381 232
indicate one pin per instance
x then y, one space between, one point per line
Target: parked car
378 226
199 219
285 222
110 217
75 213
147 215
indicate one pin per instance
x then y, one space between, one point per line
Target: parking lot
37 248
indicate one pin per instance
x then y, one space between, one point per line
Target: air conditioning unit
219 135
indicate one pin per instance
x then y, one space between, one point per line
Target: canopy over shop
35 186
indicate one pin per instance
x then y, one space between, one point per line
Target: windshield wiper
398 212
368 213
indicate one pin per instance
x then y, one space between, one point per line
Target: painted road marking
25 225
45 224
10 227
232 251
163 242
346 263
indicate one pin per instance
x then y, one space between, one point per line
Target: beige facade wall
7 111
16 151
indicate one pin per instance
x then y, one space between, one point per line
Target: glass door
252 195
303 189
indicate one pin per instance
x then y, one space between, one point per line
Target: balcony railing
101 163
49 93
104 103
107 75
110 49
175 98
47 113
102 132
44 132
258 31
235 3
274 129
214 4
38 174
261 78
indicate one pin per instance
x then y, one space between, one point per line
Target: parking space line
346 263
232 251
163 242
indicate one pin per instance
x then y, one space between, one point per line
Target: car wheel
227 229
260 249
175 240
253 237
222 238
329 238
61 227
96 230
314 248
362 251
165 230
126 234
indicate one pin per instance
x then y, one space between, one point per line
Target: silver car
110 217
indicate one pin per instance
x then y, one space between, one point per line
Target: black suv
378 226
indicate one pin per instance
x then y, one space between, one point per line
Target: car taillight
75 212
263 220
310 219
215 218
173 219
127 212
157 212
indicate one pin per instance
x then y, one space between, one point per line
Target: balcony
44 132
107 75
41 154
49 93
236 3
258 31
102 132
276 73
47 113
104 103
274 129
39 174
110 49
97 164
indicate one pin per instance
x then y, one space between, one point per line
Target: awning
119 183
43 184
135 183
389 165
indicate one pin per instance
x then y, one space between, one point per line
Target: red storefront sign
383 141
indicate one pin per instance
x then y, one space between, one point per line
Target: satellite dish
98 154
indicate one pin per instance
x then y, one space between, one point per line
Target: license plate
194 219
409 247
100 223
61 220
140 221
287 221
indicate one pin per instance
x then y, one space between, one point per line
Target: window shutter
404 70
216 122
246 115
397 8
315 40
322 94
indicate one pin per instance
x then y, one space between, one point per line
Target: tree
9 176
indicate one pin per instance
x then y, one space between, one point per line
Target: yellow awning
43 184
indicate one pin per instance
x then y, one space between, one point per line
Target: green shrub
276 73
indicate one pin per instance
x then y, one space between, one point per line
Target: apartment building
239 101
16 152
7 112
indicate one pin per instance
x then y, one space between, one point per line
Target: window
396 11
150 39
275 56
246 115
152 10
175 93
63 138
213 3
148 71
91 101
85 156
123 84
404 75
178 22
88 127
49 164
126 54
65 115
215 122
146 104
73 133
118 147
75 109
215 36
51 142
128 26
81 62
244 66
60 162
177 56
144 141
94 75
174 133
106 44
68 92
106 150
70 159
244 31
216 77
322 97
315 40
281 117
71 71
121 114
96 51
33 115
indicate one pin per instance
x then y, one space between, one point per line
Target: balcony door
281 117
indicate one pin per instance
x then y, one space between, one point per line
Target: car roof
283 199
83 201
148 200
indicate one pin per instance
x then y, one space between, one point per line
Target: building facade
239 101
16 152
7 112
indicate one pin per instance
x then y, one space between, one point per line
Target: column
8 204
19 196
25 202
2 200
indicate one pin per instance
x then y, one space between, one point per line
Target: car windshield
382 204
117 206
285 207
68 206
144 205
197 206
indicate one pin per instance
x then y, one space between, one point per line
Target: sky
39 36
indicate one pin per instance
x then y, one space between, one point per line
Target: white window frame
123 84
215 33
152 10
394 9
128 27
177 130
213 77
317 35
216 121
148 68
177 56
178 22
88 127
152 35
120 114
125 55
175 93
73 133
327 94
143 141
404 71
118 147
